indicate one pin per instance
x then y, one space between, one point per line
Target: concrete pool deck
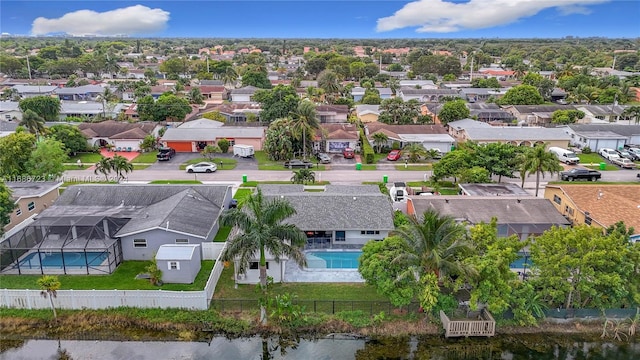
293 273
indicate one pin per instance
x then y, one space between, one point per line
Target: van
565 156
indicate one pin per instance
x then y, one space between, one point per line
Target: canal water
338 347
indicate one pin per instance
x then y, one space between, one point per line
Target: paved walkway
293 273
129 155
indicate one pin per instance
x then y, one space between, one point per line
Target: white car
608 154
202 167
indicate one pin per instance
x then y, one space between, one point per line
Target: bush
356 318
395 145
224 145
586 150
367 150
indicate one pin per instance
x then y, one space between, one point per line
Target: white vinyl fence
103 299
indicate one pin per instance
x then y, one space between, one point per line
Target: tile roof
508 210
616 202
209 134
110 128
406 129
508 133
624 130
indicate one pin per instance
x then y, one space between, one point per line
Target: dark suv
165 153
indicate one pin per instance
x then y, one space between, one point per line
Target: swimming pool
60 260
333 259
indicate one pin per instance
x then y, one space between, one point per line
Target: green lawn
252 184
76 167
304 291
592 158
227 163
608 167
223 234
140 166
175 182
242 194
414 167
89 158
146 158
369 167
124 278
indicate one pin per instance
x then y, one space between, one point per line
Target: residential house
603 114
243 94
88 109
525 216
385 92
7 127
422 84
81 93
489 113
497 73
525 113
600 206
358 93
472 94
107 224
179 263
121 136
426 94
430 136
29 91
367 113
193 139
211 83
332 113
519 136
457 128
333 138
30 197
213 94
333 218
238 112
10 110
492 189
596 137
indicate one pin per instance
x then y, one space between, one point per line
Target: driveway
174 163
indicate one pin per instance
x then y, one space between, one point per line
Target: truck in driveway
243 151
580 174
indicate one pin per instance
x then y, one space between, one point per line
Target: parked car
564 155
202 167
624 163
165 153
580 174
625 154
394 155
635 152
323 158
608 154
348 153
298 164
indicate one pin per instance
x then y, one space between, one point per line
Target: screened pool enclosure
64 245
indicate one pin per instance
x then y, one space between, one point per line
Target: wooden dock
485 325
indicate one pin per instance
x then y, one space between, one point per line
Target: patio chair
118 148
128 149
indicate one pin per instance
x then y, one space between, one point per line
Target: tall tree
415 151
47 159
104 167
328 81
380 139
49 286
305 123
46 107
32 122
303 176
277 103
121 166
262 229
452 111
73 139
195 96
521 95
15 150
7 205
539 161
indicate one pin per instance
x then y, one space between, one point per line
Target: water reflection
339 348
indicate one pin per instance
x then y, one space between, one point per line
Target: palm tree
539 160
415 151
328 81
230 76
632 112
379 140
436 245
195 96
104 167
261 230
121 166
33 122
107 96
303 176
305 122
49 285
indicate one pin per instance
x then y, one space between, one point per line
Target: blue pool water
333 259
55 259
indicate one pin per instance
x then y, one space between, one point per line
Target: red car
348 153
394 155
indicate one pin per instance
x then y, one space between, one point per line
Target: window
557 199
377 232
370 232
254 265
31 206
18 212
139 243
568 210
182 241
587 220
362 232
174 265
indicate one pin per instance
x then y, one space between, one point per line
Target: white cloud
444 16
131 20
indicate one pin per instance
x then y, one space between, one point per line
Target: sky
350 19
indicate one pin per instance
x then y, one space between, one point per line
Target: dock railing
485 325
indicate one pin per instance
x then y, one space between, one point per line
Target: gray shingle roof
467 124
245 90
80 90
516 133
508 210
338 208
25 189
624 130
190 209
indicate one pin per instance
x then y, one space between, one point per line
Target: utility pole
613 66
471 73
28 67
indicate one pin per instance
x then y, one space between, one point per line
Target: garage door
180 146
